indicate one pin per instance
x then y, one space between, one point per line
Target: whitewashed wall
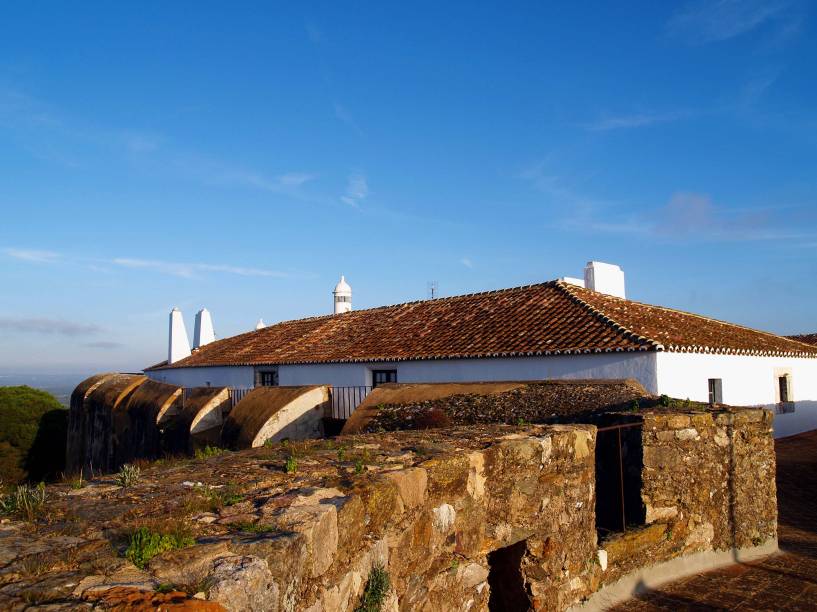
747 380
227 376
640 366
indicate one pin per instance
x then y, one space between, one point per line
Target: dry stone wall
708 484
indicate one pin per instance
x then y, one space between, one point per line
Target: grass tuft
376 589
24 502
128 475
209 451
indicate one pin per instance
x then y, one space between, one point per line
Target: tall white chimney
342 296
260 324
203 331
178 346
604 278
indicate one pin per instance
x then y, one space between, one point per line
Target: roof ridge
609 321
567 287
410 303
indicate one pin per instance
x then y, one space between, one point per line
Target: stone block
243 584
319 525
411 485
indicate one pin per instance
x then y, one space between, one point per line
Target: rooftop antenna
433 289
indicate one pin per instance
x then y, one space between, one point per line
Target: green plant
146 544
291 465
128 475
24 502
358 466
376 589
165 587
634 405
78 482
217 498
455 564
208 451
664 401
248 527
521 422
341 453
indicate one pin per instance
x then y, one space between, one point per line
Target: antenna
433 289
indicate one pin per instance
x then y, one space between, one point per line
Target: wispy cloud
191 270
344 115
636 120
467 262
705 21
357 189
32 255
104 344
41 325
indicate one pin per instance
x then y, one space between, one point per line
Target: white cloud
635 120
33 255
294 179
42 325
191 270
357 189
342 113
467 262
705 21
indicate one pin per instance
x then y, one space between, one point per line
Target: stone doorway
508 592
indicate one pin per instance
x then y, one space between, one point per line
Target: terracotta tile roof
807 338
551 318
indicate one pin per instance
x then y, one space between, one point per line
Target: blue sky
241 156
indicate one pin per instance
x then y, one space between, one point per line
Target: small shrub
165 587
78 482
634 405
248 527
341 453
291 465
664 401
521 422
455 564
128 475
24 502
146 544
208 451
376 589
358 466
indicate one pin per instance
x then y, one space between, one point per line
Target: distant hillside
58 385
33 427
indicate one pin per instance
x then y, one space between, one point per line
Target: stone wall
708 484
455 516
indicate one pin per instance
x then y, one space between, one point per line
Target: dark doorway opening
508 592
619 462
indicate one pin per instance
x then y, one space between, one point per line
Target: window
715 391
783 385
266 378
380 377
343 298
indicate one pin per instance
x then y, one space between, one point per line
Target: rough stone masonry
455 516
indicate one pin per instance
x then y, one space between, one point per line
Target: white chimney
260 324
203 331
604 278
343 296
178 346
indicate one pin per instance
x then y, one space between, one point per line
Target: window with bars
380 377
267 377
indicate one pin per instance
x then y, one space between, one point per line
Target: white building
571 328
